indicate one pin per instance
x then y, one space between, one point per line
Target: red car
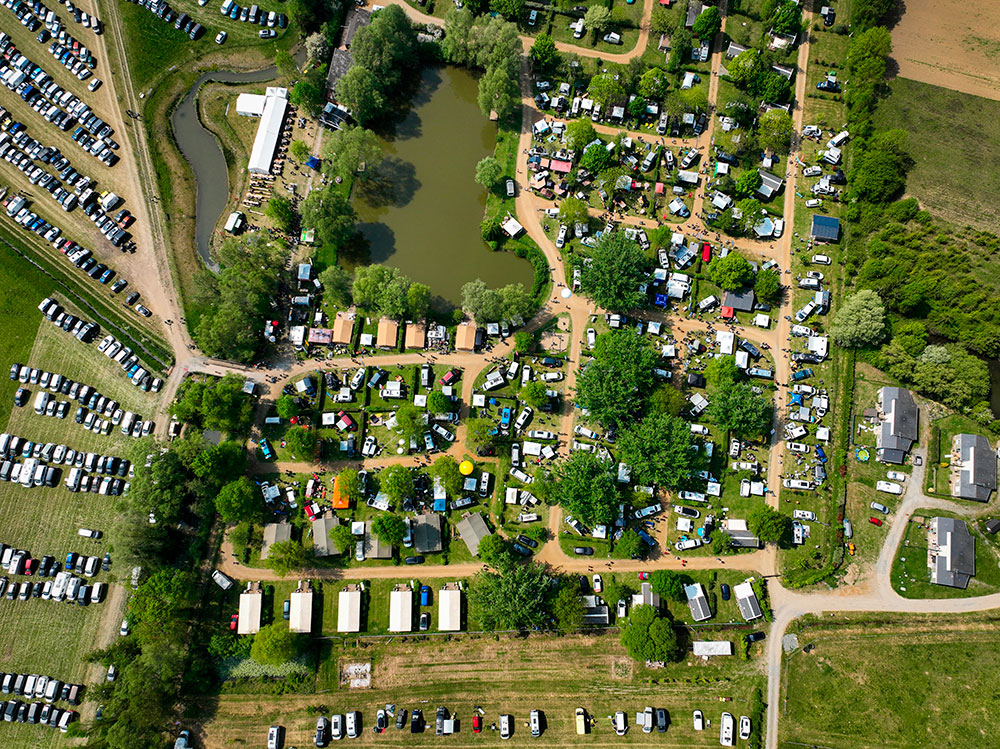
233 621
312 510
30 566
344 422
643 575
450 377
875 521
477 724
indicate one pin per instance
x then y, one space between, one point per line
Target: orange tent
339 501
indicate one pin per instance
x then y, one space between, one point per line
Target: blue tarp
440 505
313 163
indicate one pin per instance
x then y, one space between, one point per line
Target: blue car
505 417
820 454
425 595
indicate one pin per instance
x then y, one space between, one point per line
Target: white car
220 37
582 431
744 727
895 476
506 726
797 447
561 237
699 720
813 203
598 584
795 431
591 337
541 434
822 259
691 543
699 429
879 507
818 275
693 496
803 515
888 487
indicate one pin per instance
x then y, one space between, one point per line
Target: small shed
250 607
427 536
473 529
300 609
450 608
401 609
349 609
274 533
465 337
388 333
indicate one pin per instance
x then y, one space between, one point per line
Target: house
250 606
401 609
951 552
595 611
465 337
694 9
973 467
473 529
427 534
343 329
741 301
300 608
415 336
746 601
274 533
708 648
734 49
450 608
323 545
349 609
824 228
739 534
272 120
784 71
720 200
375 548
770 184
646 597
388 333
697 602
898 430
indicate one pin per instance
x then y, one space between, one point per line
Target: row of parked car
84 330
136 373
40 687
37 713
65 587
164 12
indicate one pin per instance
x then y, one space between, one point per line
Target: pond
422 210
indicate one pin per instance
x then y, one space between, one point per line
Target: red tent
727 313
706 252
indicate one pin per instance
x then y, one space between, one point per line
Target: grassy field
875 680
950 133
501 674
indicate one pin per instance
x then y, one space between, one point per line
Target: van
226 7
619 723
97 592
41 402
708 303
128 420
535 720
484 483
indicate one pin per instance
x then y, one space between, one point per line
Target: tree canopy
573 211
617 268
649 636
605 88
385 290
336 281
488 172
707 24
740 410
301 443
579 133
670 584
495 551
484 304
585 486
215 403
543 52
275 644
239 500
597 17
346 149
515 598
769 525
767 287
657 449
775 130
286 556
281 212
614 385
389 529
731 272
331 215
860 321
498 92
397 482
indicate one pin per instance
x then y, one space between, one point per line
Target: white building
272 118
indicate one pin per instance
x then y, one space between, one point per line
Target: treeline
493 46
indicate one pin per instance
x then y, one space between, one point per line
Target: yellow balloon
466 467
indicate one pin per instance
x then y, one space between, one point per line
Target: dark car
417 721
725 592
661 720
755 636
529 542
551 361
21 397
381 722
418 559
831 86
440 717
400 719
106 564
583 551
322 731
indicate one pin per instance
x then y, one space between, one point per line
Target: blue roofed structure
825 228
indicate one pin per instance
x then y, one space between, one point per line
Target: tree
509 9
750 214
438 402
308 95
285 64
495 551
595 158
161 597
317 47
524 342
721 372
239 500
860 321
409 421
498 46
387 47
342 538
336 282
347 149
662 21
597 17
543 52
670 584
514 598
629 546
787 18
740 410
299 150
418 300
275 644
478 435
707 24
389 529
769 525
616 269
731 272
668 399
397 482
301 443
457 45
744 68
498 92
585 486
747 184
512 302
868 13
604 87
573 211
657 449
382 289
488 172
281 212
775 130
331 215
215 465
614 386
445 470
878 175
650 637
579 133
534 394
349 485
361 91
286 556
654 84
567 607
767 287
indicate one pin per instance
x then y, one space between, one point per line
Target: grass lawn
849 690
947 176
502 674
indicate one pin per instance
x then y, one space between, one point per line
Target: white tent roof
401 611
268 133
249 621
250 105
300 616
450 610
349 611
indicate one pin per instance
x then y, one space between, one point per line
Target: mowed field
885 680
508 675
951 143
950 43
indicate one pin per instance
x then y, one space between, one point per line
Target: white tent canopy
300 614
349 611
450 610
249 621
401 610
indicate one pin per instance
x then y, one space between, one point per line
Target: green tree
387 47
286 406
615 384
409 421
720 542
509 9
217 464
317 48
445 470
361 91
731 272
524 342
389 529
495 552
349 485
397 482
382 289
162 596
868 13
498 47
750 214
275 644
309 96
585 486
438 402
721 372
342 538
740 410
491 229
629 546
534 394
579 133
670 584
605 88
301 443
616 269
299 150
336 282
543 52
458 43
707 24
654 84
663 21
597 17
331 215
595 159
515 598
239 500
285 64
668 399
649 636
567 607
775 130
744 68
860 321
878 175
747 184
769 525
418 300
767 287
478 435
657 449
285 556
488 172
573 211
347 149
787 18
498 92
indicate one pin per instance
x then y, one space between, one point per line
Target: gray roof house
734 49
770 184
323 545
473 529
741 301
697 602
694 9
898 430
976 464
427 533
954 562
274 533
